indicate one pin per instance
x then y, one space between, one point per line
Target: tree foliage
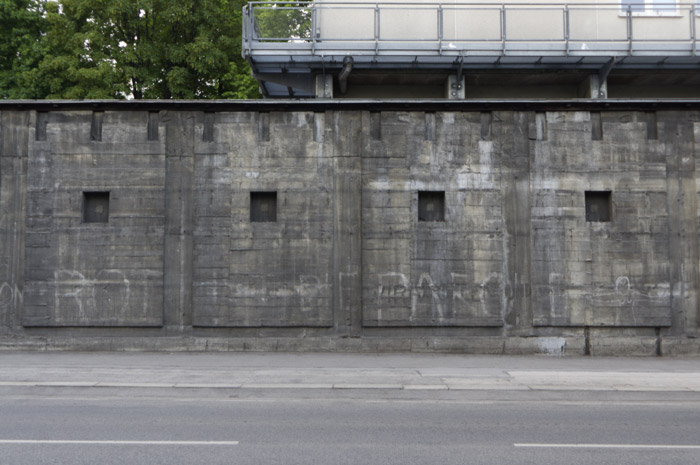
21 25
81 49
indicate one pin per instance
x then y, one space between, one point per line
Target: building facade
470 226
484 178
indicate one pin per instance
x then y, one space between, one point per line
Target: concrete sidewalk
346 371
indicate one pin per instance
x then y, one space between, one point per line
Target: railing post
629 29
693 30
566 28
503 29
244 39
251 22
376 29
249 27
313 29
440 28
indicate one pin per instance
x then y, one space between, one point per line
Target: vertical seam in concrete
693 321
530 235
696 258
366 141
168 134
166 203
20 123
674 205
337 291
183 309
359 329
177 257
361 299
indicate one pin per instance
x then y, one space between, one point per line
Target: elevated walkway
289 44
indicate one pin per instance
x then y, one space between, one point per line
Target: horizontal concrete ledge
478 345
466 345
320 105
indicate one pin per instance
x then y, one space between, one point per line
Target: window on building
648 6
431 206
95 207
263 207
598 206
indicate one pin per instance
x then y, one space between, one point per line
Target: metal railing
529 29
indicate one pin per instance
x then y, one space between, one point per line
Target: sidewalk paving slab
409 372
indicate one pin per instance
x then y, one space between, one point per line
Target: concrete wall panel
612 273
420 273
257 274
94 274
14 136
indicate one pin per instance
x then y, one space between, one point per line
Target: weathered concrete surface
515 267
263 274
93 274
601 274
420 273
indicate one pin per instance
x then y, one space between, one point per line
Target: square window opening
263 207
431 206
598 206
95 207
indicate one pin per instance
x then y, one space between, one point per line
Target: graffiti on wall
308 290
619 303
461 295
10 295
624 294
81 298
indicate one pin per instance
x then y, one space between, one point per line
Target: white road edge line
136 443
610 446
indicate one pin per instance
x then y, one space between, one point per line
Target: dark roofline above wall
353 105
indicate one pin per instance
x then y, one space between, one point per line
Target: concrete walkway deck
346 371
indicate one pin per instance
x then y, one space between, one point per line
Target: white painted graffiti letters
10 295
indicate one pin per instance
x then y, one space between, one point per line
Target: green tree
21 25
77 63
201 58
136 49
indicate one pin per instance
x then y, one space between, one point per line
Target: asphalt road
232 408
141 427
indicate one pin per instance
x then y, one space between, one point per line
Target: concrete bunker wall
513 257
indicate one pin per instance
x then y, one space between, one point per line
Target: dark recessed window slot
263 207
431 206
95 207
598 206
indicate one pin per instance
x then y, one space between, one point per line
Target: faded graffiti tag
10 295
442 300
108 293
